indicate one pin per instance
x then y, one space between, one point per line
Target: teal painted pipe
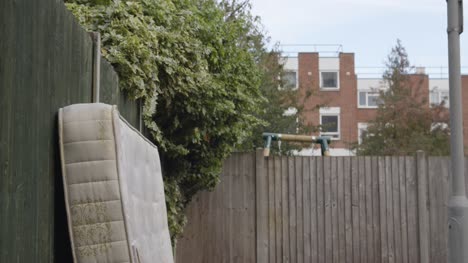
324 141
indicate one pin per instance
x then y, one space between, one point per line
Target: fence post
423 212
261 207
96 37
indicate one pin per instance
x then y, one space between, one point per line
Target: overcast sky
369 28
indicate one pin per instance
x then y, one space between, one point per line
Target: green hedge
194 65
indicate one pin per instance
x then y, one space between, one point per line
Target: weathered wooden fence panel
222 228
45 64
111 94
327 209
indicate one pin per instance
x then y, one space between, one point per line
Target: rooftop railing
324 50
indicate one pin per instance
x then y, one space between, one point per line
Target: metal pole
458 203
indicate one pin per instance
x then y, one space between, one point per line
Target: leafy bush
194 65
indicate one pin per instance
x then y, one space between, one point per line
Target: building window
362 130
368 99
290 80
439 97
329 80
330 122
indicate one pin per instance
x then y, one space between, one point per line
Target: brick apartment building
348 102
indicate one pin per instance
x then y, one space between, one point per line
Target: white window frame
361 126
439 95
367 99
331 111
337 80
297 79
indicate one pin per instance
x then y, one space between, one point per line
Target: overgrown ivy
194 65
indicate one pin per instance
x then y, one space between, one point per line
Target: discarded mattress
114 191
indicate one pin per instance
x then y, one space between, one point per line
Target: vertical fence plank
40 130
306 191
225 215
313 210
334 207
396 208
412 209
7 180
221 247
376 209
389 214
362 209
22 160
355 210
341 211
369 215
199 229
271 210
239 211
433 168
320 209
328 212
278 208
285 208
383 209
423 214
443 201
403 202
348 210
292 210
299 210
437 188
262 209
249 187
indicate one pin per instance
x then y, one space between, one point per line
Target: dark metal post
458 203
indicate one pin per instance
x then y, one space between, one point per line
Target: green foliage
277 102
194 65
405 122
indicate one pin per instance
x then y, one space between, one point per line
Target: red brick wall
309 85
347 100
346 97
420 87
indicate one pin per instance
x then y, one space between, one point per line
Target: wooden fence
321 209
46 62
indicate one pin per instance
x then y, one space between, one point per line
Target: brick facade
346 97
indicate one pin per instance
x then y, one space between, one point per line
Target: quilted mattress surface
114 191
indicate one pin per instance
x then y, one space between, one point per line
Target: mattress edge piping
65 189
115 113
135 129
